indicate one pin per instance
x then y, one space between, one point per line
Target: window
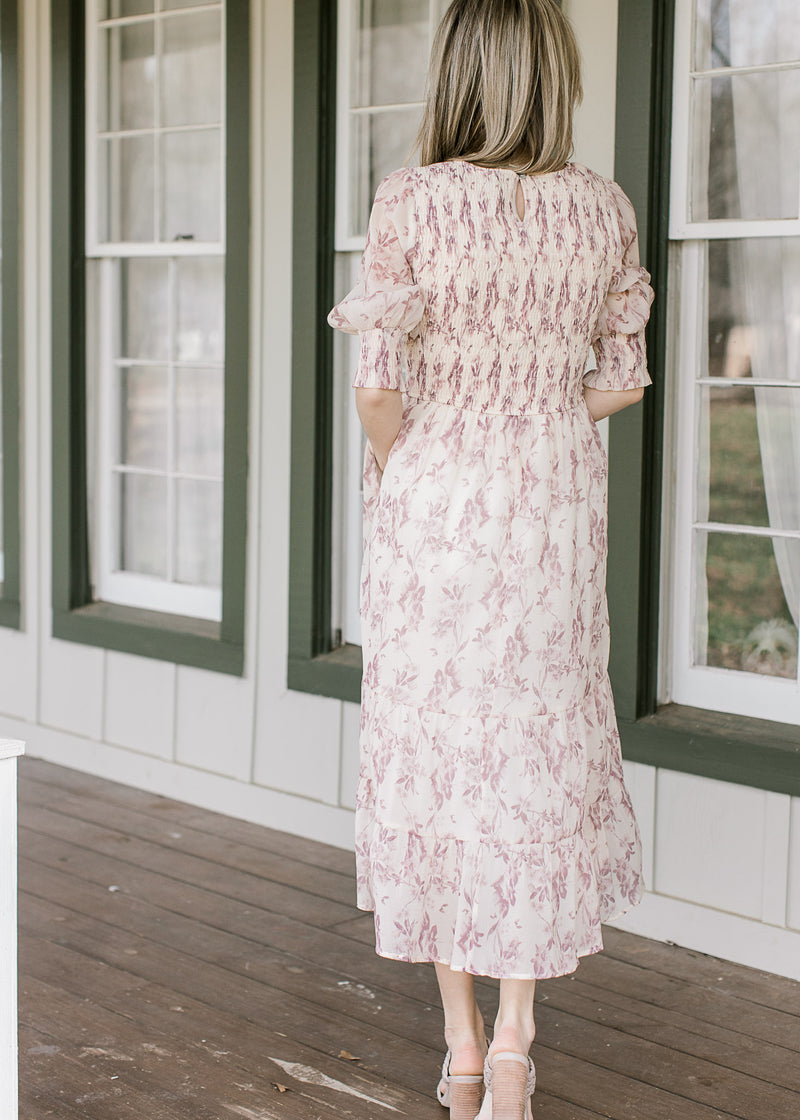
155 196
153 543
9 374
384 47
735 337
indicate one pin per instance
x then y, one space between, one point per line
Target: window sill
730 748
336 674
166 637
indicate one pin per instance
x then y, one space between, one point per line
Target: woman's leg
463 1021
514 1027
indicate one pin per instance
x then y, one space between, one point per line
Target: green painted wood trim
237 322
9 323
752 752
641 165
312 665
758 753
75 616
187 641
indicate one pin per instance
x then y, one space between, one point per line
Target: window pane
168 4
200 334
754 308
144 312
199 551
116 9
190 191
382 142
199 421
745 158
144 400
392 50
127 186
746 34
747 624
127 91
749 463
143 524
191 68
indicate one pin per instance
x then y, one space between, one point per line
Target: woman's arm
602 402
380 412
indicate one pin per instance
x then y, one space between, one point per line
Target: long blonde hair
503 82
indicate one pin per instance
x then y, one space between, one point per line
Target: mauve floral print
494 831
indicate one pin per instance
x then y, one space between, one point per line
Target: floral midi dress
494 830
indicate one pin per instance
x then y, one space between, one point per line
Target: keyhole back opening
519 200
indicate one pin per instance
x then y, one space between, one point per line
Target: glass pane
745 158
392 52
199 547
191 69
168 4
200 334
127 189
199 421
748 624
143 524
127 77
190 191
742 34
754 308
144 309
382 142
116 9
143 403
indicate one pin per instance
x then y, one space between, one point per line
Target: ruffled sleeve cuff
621 363
380 363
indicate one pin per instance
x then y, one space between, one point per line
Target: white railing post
9 750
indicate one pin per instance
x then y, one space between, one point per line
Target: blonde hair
503 82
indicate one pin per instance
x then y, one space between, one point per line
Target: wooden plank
182 814
727 1047
653 1067
712 973
704 1005
635 1031
201 1078
120 820
230 882
148 1006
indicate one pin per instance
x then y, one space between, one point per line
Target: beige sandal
461 1093
508 1084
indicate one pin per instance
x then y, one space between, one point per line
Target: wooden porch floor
180 964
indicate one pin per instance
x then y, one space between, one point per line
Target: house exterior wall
722 860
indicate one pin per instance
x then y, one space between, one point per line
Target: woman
494 832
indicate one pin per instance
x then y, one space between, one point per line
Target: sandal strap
443 1088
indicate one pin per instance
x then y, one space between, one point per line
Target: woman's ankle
514 1035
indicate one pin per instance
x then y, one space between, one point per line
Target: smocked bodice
461 301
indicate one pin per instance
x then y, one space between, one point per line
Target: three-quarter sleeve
618 339
386 303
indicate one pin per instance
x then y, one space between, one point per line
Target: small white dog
771 648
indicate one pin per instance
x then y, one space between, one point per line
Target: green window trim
754 752
9 327
313 664
187 641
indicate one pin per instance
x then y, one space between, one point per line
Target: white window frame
349 441
111 584
735 691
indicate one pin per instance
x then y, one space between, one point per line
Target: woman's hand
380 412
603 402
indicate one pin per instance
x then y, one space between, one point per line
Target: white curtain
766 109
